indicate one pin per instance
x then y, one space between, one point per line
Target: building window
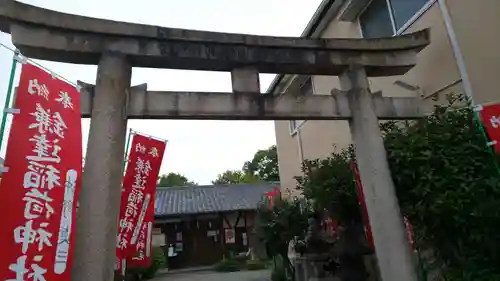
375 21
404 10
384 18
305 89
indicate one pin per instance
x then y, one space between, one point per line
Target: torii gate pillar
101 181
392 248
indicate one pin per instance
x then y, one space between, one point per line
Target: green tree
263 167
330 184
235 177
447 185
277 226
174 179
264 164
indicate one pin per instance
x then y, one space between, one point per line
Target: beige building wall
436 74
288 158
476 25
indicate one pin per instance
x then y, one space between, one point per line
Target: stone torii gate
116 47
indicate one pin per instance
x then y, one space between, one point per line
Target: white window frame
408 23
294 125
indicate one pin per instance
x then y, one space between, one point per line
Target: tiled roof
171 201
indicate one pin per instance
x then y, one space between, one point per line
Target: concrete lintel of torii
144 104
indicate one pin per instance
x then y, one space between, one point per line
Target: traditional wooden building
199 225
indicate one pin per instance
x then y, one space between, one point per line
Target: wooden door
209 246
173 236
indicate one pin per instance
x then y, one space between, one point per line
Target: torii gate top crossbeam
50 35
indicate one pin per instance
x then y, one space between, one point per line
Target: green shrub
276 227
241 259
255 265
159 257
447 184
277 275
329 183
145 273
279 272
227 265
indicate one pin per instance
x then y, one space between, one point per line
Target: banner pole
127 145
150 136
8 97
123 262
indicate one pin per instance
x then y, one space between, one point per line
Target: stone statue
314 242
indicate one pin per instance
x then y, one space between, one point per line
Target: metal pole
147 135
127 145
457 51
8 97
125 161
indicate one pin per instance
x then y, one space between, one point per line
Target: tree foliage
174 179
235 177
262 168
159 261
449 187
330 185
277 226
264 164
447 184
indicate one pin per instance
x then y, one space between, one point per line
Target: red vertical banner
409 232
137 201
41 185
271 197
331 225
490 117
362 203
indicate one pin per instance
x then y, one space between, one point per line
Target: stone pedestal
101 183
258 248
310 268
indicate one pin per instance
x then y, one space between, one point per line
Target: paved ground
259 275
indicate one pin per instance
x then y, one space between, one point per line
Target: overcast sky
197 149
